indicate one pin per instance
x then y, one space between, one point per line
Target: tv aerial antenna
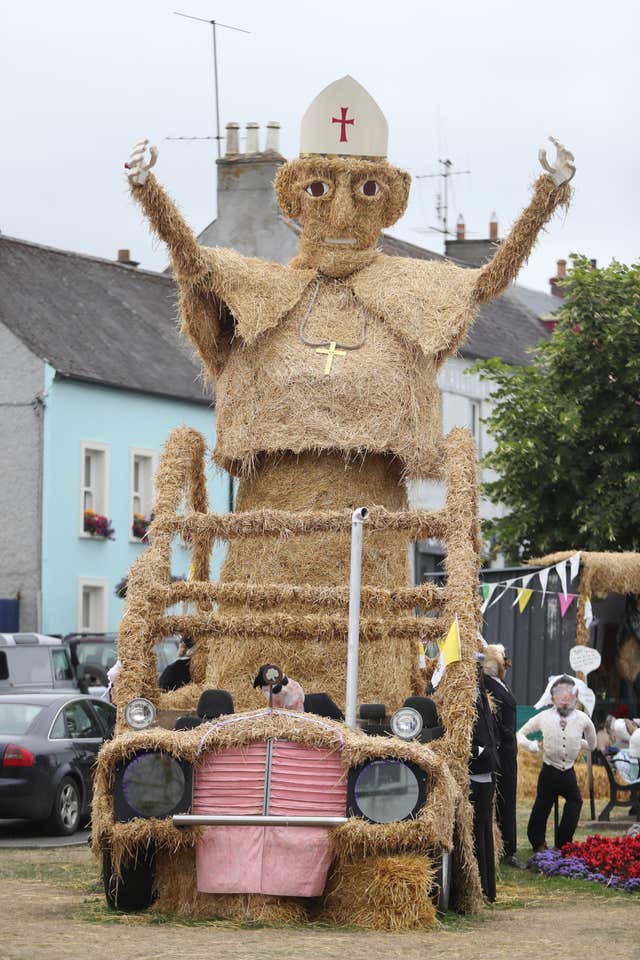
442 203
214 24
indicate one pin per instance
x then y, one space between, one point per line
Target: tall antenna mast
214 25
442 206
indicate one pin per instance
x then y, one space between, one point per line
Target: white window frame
94 583
104 449
152 456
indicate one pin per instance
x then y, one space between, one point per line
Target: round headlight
386 790
139 713
406 723
153 784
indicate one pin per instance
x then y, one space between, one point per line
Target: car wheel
65 815
443 870
133 889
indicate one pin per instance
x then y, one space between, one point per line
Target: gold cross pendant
331 352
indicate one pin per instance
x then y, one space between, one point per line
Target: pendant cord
324 343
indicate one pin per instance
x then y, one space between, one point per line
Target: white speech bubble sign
588 700
584 659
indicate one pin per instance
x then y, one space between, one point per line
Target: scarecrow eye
369 188
317 189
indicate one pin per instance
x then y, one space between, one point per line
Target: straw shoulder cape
272 393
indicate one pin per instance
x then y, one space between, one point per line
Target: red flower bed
611 856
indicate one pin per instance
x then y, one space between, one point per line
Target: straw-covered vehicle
276 814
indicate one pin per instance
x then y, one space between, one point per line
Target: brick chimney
561 272
124 257
472 253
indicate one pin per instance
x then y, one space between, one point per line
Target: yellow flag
450 646
524 595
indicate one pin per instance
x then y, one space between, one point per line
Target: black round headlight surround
153 784
386 790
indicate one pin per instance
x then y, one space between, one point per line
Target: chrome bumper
218 820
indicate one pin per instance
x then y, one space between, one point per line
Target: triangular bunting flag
487 592
575 565
505 587
588 613
561 570
565 602
524 595
450 646
422 657
525 581
543 576
518 589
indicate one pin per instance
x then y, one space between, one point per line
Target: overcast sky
483 83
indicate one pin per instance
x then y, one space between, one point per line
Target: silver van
33 662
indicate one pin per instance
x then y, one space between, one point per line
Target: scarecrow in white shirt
565 731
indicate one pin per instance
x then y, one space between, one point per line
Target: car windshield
16 718
102 654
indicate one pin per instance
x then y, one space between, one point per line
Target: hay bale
178 895
529 765
380 893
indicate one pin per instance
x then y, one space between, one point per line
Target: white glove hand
136 167
564 168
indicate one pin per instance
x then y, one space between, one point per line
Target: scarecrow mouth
342 241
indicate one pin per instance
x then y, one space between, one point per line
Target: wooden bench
620 794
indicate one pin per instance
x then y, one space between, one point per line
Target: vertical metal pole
215 75
357 519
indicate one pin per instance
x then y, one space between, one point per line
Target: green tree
567 428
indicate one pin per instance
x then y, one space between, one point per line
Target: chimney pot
460 228
233 140
493 227
594 264
124 256
562 268
273 137
253 145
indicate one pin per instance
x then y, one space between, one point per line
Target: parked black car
48 749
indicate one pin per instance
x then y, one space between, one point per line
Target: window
94 480
142 464
81 724
106 714
58 730
61 665
92 605
474 421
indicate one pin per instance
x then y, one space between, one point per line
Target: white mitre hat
344 121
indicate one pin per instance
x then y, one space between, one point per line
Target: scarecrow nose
343 211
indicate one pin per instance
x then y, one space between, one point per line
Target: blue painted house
93 377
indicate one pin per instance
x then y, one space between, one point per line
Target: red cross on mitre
343 121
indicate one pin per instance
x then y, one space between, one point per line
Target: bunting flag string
494 591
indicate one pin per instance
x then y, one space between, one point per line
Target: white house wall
458 389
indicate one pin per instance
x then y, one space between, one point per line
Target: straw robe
304 437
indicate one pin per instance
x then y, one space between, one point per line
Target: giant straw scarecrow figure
325 369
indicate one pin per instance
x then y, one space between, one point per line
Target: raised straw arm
551 190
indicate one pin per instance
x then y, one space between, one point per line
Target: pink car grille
304 781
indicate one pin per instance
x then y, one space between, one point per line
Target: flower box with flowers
140 527
98 526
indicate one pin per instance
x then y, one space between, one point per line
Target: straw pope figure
325 368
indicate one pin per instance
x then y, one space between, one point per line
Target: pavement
27 835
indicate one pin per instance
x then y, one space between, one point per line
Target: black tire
133 889
441 890
64 818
